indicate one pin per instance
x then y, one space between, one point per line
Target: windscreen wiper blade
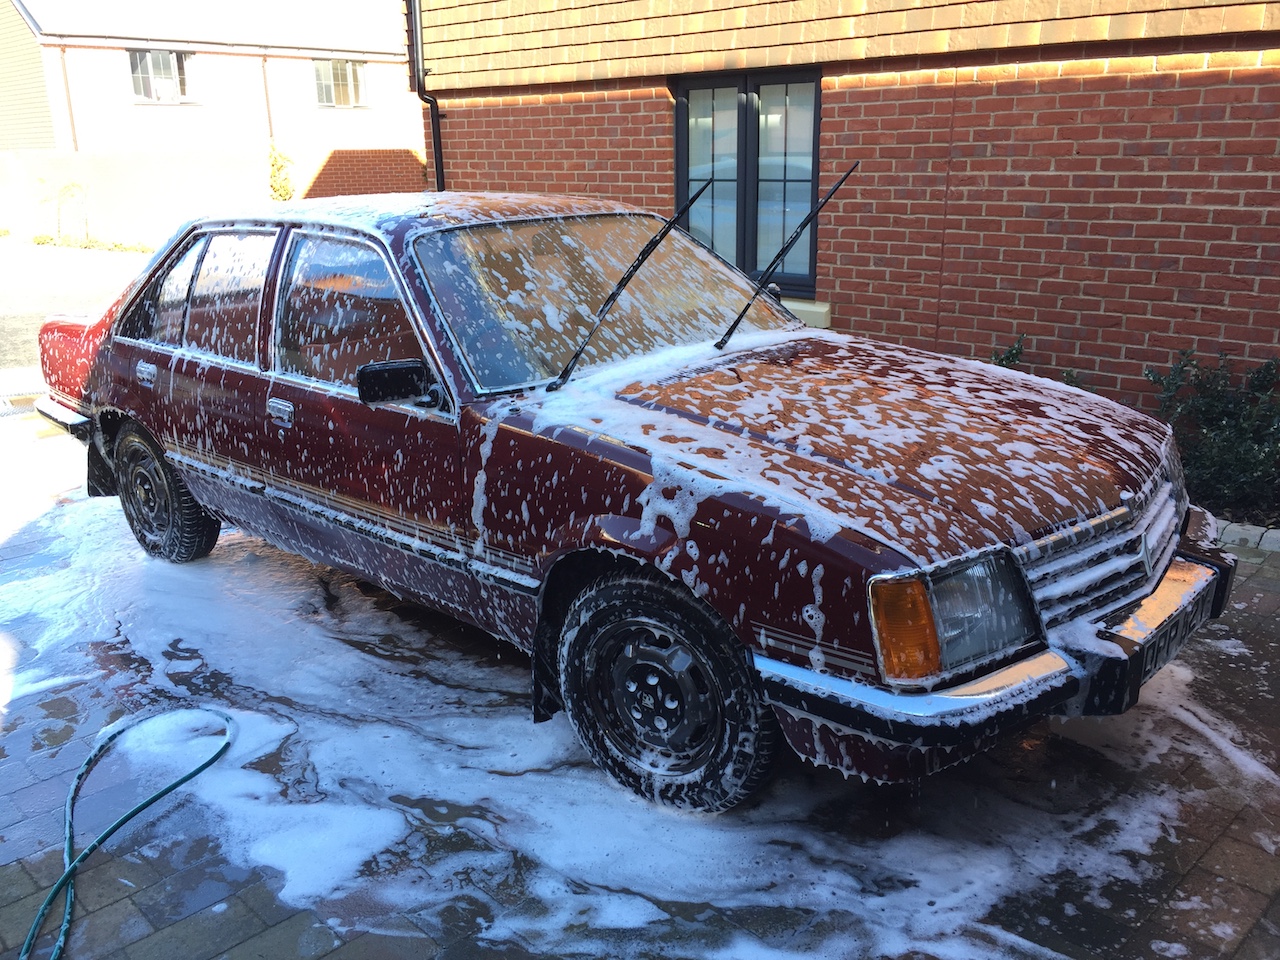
621 285
776 262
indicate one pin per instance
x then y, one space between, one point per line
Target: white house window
159 76
339 83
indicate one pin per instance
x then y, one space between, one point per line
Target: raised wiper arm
776 262
621 285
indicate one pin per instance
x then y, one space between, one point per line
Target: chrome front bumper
1089 668
1133 644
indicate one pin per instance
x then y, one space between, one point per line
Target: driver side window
340 308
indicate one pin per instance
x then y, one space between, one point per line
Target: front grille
1099 566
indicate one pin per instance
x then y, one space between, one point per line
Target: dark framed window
339 83
755 136
159 76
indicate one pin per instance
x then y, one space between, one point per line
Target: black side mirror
390 380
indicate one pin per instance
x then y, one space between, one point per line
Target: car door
147 339
372 487
217 390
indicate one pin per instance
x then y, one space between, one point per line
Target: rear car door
217 391
146 340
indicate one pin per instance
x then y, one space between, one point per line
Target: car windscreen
520 297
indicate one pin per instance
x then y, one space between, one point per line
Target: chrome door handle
280 411
146 373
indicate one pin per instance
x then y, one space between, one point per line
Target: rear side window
226 298
160 312
340 308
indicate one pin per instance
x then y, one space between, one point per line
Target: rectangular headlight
935 622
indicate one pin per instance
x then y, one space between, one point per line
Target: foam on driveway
387 778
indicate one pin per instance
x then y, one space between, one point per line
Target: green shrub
278 178
1228 430
89 243
1011 356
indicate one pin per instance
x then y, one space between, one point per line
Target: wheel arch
567 578
101 475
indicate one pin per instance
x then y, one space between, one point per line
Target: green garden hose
70 860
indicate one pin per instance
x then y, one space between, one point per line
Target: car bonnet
932 455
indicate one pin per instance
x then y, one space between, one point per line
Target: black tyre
161 511
663 696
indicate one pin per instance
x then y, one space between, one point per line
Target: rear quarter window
160 313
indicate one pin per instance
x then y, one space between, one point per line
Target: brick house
1102 177
119 118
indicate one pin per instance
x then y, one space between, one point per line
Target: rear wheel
663 695
161 512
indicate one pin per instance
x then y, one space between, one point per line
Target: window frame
265 292
145 57
128 325
748 159
355 83
274 366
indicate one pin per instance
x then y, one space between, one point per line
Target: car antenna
776 262
621 285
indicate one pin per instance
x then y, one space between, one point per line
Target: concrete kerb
1250 536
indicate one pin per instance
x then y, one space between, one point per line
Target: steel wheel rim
657 700
145 495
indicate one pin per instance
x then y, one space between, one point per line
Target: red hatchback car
884 558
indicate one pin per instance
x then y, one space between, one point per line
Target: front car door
371 487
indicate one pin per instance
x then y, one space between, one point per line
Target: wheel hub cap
661 694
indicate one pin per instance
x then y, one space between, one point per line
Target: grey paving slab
15 883
105 879
1211 911
16 917
301 935
262 900
1247 864
114 927
379 946
1241 534
9 813
31 835
177 896
209 933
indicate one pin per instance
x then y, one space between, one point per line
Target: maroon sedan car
884 558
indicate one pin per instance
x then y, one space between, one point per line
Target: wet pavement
1149 835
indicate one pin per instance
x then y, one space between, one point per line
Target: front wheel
162 514
663 696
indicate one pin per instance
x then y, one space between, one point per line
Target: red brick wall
1115 209
1115 203
611 140
369 171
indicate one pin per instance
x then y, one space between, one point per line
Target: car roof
387 213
